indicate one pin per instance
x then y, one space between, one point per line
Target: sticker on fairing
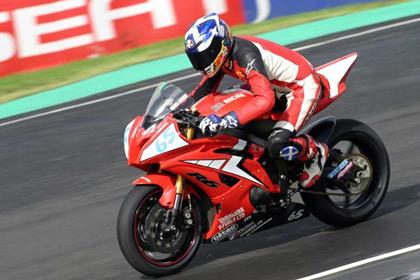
245 230
224 233
231 218
167 141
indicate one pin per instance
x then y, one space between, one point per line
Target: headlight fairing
126 135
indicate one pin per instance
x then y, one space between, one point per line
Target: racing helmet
207 44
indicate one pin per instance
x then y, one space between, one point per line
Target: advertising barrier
259 10
37 34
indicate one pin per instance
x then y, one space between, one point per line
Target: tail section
333 76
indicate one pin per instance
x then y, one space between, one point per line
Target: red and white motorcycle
212 189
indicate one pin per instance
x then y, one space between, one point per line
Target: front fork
172 214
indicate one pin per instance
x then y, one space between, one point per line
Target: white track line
369 31
94 101
341 38
362 262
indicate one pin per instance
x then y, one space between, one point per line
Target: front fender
167 183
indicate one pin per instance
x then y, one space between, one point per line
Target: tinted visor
201 60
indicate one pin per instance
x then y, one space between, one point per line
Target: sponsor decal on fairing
231 165
215 164
231 218
243 231
224 233
167 141
259 226
203 179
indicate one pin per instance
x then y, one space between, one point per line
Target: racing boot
314 155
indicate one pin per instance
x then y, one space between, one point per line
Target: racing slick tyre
356 196
140 236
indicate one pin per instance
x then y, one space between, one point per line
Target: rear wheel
142 240
352 196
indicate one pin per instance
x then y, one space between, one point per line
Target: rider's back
282 64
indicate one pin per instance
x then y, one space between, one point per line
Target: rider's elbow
270 101
264 104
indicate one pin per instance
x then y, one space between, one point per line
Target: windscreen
166 99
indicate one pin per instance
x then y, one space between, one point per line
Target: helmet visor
201 60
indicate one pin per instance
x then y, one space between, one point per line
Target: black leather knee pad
277 140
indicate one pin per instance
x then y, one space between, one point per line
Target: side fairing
225 178
166 138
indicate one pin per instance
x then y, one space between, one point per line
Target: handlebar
187 117
191 119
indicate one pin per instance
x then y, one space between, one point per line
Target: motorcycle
201 188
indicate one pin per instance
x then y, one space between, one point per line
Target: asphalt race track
63 178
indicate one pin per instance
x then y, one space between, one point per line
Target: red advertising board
36 34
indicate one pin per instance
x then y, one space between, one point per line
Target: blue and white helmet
207 44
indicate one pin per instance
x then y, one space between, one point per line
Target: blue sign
259 10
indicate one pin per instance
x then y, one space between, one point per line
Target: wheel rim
356 195
146 231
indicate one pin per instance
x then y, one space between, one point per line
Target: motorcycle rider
270 71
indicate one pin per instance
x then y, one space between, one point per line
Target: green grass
19 85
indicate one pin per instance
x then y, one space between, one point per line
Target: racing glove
213 123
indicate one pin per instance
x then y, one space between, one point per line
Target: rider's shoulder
242 43
244 49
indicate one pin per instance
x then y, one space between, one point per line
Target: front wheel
355 196
139 230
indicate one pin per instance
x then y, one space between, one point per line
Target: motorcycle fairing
202 162
333 77
203 167
168 140
259 221
133 139
202 150
165 140
167 183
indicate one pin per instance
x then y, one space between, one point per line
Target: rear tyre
140 238
367 150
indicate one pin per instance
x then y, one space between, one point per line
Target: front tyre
141 240
353 198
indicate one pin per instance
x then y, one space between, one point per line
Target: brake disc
363 177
